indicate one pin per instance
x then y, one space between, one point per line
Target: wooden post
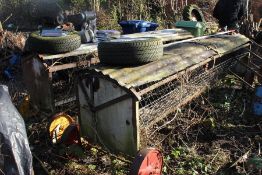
247 8
1 27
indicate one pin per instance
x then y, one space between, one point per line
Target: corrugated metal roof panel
176 58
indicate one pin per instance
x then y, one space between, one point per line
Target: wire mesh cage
123 108
157 104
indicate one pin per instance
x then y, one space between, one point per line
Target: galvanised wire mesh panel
158 103
64 81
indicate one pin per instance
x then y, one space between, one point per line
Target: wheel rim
149 161
58 125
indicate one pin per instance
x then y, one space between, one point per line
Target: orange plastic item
58 126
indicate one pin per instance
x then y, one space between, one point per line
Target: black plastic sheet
15 154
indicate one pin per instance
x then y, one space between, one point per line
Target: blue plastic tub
152 27
137 26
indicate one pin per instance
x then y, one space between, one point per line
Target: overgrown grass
210 136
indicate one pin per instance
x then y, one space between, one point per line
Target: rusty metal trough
120 107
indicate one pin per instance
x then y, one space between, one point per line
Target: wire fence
158 103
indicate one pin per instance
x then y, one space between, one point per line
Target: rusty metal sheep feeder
121 107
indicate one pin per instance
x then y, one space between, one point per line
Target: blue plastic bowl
152 27
137 26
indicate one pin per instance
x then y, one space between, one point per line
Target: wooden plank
38 85
82 50
86 118
136 123
68 66
1 27
166 35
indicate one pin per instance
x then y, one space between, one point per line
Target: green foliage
92 167
94 151
163 12
117 167
255 162
116 10
187 162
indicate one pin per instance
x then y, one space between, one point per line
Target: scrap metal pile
11 42
12 45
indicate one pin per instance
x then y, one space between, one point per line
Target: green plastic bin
195 27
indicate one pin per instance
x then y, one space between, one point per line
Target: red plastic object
149 161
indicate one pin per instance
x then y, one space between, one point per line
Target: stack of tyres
137 26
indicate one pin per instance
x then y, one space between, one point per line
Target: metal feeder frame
124 118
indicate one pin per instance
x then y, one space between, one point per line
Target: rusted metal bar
68 66
244 64
253 53
241 79
254 42
253 64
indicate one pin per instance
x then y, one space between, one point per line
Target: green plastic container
195 27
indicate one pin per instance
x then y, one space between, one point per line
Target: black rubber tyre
53 45
192 11
135 51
